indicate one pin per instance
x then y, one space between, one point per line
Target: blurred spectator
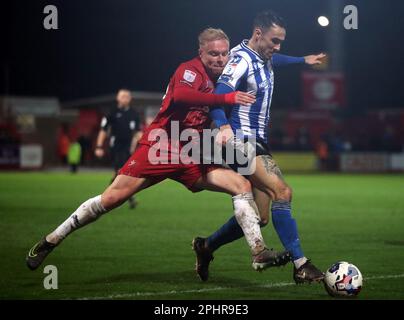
86 149
63 144
322 154
74 156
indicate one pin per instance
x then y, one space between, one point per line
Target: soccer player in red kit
185 103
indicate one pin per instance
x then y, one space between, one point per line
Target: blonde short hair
211 34
124 90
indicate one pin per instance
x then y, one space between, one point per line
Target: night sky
103 45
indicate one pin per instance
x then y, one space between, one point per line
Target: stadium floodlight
323 21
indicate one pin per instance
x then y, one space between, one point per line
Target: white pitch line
175 292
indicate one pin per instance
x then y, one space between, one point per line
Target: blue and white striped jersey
247 71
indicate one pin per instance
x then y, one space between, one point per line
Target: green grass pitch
146 253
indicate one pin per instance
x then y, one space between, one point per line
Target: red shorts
140 166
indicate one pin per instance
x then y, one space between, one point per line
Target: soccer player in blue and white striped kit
250 69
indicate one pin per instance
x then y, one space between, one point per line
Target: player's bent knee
284 193
244 186
108 200
113 199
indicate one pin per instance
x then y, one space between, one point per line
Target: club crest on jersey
235 59
189 76
231 66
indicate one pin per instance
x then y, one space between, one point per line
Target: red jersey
185 104
190 75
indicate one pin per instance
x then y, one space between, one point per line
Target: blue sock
286 228
227 233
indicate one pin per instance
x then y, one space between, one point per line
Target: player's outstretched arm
240 97
314 59
279 60
192 97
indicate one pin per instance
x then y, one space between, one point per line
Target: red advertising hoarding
323 90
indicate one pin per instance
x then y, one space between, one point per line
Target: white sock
299 262
88 212
246 213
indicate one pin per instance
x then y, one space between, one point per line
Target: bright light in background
323 21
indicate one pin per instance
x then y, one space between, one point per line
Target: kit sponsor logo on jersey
264 84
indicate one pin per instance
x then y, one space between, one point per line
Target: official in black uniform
122 126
